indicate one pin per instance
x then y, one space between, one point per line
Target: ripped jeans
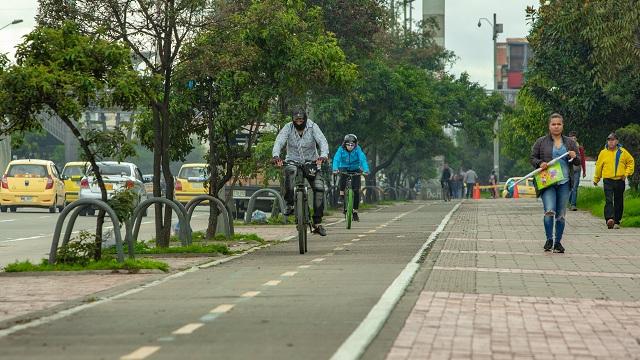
555 200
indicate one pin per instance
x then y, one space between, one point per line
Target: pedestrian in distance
577 169
350 157
445 182
614 165
470 178
493 181
302 138
555 196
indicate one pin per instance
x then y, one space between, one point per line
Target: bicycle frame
349 195
301 201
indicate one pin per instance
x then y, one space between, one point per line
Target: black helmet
299 112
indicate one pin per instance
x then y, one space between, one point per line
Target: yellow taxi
73 172
190 182
32 183
526 189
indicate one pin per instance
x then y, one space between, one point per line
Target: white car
117 176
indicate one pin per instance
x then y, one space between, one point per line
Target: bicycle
301 201
446 195
348 196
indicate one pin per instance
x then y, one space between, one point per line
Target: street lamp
16 21
496 29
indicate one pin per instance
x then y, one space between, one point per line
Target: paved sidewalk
494 294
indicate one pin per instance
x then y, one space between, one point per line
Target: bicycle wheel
301 215
307 216
349 200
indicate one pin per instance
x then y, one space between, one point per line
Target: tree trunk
157 181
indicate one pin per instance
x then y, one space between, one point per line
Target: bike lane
272 303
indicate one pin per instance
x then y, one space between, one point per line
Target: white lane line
335 222
272 283
355 240
347 244
362 235
141 353
8 220
339 248
329 254
289 273
146 222
372 231
188 329
221 309
357 342
400 236
317 260
304 266
25 238
45 217
250 294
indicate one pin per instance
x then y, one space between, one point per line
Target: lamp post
496 29
16 21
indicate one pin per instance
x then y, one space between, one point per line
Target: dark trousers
469 189
317 186
614 199
355 185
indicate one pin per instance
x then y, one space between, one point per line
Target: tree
267 53
155 32
61 72
574 71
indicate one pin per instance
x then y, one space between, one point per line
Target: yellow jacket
613 164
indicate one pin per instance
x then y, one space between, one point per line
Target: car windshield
114 169
70 171
193 172
27 170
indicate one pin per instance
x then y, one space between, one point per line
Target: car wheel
13 209
3 209
91 212
52 209
82 211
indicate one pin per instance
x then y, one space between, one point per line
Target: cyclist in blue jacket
350 157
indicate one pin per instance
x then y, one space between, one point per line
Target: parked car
190 182
32 183
525 188
148 184
117 176
73 172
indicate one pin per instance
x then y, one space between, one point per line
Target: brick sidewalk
494 294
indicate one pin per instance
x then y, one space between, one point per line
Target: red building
512 60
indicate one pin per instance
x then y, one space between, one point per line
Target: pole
496 124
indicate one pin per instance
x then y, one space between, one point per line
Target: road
269 304
27 234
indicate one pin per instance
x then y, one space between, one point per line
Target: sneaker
558 249
355 216
574 208
318 229
548 245
610 223
616 226
288 210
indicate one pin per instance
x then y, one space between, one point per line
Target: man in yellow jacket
614 166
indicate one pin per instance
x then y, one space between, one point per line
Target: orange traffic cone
516 194
476 192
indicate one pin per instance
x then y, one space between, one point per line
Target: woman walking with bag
555 194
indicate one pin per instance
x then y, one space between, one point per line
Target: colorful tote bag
551 175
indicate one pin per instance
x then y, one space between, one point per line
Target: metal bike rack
379 193
76 206
395 192
191 206
185 227
252 203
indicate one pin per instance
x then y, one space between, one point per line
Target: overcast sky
471 44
